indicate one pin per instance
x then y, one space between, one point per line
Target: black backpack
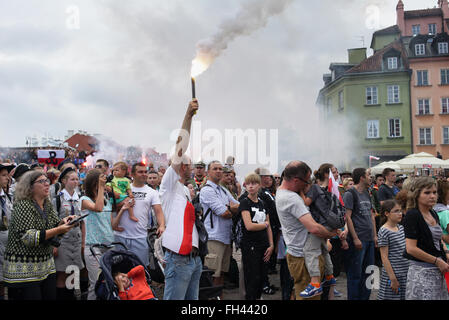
203 236
329 207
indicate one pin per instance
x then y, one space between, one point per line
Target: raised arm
182 143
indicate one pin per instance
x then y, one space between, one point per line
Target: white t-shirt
180 233
145 198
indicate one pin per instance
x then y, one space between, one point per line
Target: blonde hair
253 178
346 182
122 165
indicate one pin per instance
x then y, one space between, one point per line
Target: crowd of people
313 224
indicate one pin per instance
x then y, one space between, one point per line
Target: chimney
443 4
356 56
400 20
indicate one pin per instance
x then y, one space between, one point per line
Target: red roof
82 142
374 63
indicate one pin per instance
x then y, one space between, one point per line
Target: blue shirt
98 225
217 198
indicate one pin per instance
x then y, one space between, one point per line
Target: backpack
329 207
203 236
237 226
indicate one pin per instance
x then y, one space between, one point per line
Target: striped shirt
395 241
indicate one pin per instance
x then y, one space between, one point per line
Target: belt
194 253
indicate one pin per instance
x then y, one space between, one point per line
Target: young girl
257 240
391 241
133 285
67 203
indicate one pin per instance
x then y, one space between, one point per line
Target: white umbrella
387 164
421 160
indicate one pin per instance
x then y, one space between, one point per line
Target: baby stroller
113 260
207 289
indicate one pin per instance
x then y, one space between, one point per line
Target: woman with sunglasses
29 268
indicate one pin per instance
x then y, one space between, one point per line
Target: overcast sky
125 72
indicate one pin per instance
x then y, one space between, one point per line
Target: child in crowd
257 239
391 239
316 246
134 285
121 186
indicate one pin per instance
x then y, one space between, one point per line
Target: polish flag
374 158
333 187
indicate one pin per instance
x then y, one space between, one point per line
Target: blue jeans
182 277
356 262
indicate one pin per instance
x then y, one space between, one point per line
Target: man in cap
199 179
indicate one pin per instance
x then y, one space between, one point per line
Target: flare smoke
253 15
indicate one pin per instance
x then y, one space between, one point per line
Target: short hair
153 172
105 162
253 178
358 173
346 182
122 165
296 169
387 171
135 165
378 175
211 163
443 189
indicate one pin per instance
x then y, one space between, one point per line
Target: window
371 95
393 63
432 28
393 94
444 76
341 102
423 106
445 135
420 49
445 105
422 78
425 135
416 29
328 107
443 48
372 129
394 128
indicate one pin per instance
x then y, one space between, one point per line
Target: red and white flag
374 158
333 187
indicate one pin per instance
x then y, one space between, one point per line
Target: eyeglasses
277 178
43 181
306 182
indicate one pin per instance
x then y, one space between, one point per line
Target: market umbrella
387 164
421 160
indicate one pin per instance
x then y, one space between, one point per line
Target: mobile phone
78 219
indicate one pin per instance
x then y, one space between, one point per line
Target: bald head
296 169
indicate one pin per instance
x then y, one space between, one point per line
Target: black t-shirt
258 215
270 205
385 193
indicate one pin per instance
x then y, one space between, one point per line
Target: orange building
425 37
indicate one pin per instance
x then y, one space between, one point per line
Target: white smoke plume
253 15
